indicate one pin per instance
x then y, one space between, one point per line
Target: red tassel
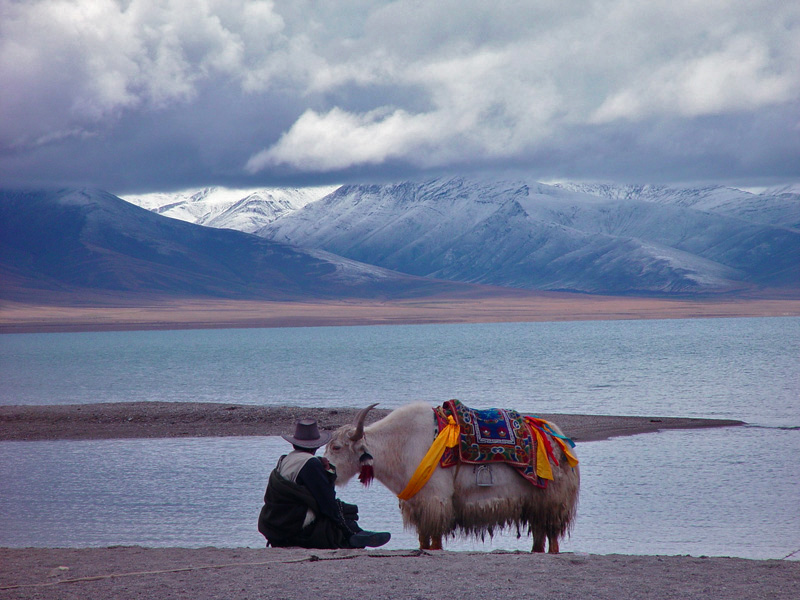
366 475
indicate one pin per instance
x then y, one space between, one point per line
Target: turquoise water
723 492
737 368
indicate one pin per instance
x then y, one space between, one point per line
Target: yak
452 502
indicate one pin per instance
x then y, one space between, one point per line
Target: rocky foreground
123 573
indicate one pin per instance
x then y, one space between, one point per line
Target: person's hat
308 435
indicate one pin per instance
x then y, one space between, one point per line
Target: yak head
347 451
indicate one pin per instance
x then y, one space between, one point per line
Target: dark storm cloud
152 95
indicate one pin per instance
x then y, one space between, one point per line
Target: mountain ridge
535 236
241 209
90 241
376 240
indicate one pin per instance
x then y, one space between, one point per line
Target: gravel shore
187 419
123 573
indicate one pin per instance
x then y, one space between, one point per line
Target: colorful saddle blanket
491 436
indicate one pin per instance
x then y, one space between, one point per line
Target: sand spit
186 419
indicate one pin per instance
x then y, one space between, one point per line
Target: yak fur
451 502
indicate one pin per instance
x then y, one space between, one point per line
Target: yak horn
359 422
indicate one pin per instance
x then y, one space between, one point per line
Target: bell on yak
483 476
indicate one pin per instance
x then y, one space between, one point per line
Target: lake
730 491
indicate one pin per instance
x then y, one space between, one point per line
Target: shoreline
124 572
195 419
140 315
208 573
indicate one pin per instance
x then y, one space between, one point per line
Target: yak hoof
430 543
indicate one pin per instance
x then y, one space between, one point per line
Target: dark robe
285 506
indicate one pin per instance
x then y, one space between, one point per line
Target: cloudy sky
156 95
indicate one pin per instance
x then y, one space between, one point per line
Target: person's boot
373 539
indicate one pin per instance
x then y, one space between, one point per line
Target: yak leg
430 542
553 543
539 540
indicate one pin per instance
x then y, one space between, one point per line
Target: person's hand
325 463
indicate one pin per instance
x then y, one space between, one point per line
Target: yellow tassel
447 438
571 458
543 468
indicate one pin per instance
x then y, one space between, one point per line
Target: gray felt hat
308 435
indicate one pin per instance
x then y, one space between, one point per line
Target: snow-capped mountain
225 208
597 239
88 243
780 190
774 206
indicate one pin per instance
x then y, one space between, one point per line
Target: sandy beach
114 314
120 573
296 574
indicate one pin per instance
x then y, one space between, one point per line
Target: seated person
300 504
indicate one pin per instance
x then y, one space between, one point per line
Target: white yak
452 501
